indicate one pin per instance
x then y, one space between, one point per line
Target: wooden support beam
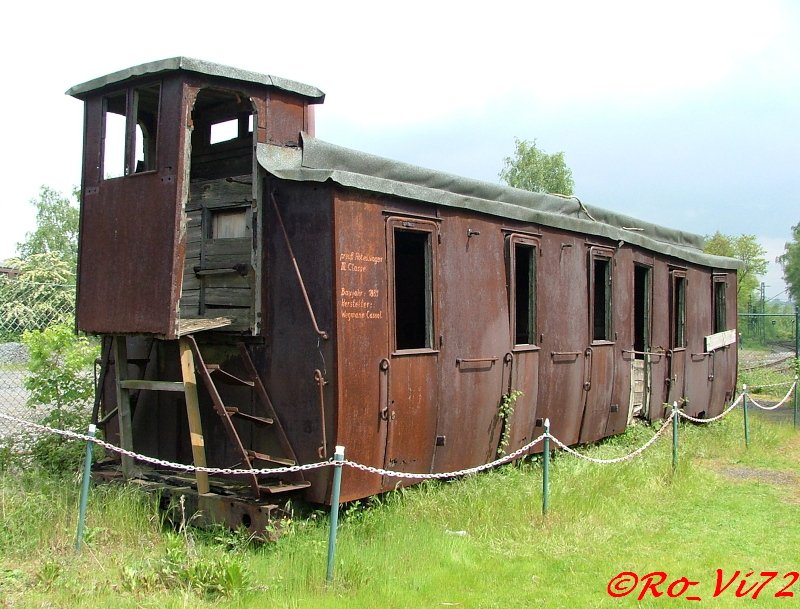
153 385
120 348
193 414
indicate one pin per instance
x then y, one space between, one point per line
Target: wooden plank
120 347
199 324
228 297
193 414
153 385
720 339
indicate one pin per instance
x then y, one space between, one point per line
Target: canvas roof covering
319 161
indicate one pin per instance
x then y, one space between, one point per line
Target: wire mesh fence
26 307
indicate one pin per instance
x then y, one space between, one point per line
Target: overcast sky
685 113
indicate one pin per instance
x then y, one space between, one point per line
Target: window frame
678 297
515 242
597 254
719 287
431 229
132 122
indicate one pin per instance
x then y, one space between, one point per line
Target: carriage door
641 357
677 352
599 355
414 360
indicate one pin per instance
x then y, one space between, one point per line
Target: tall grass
480 541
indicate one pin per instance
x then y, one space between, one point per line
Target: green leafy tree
42 294
790 261
747 249
533 169
56 228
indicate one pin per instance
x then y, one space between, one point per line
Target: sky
684 113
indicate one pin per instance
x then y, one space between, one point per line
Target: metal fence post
746 425
795 401
546 469
87 472
675 417
338 457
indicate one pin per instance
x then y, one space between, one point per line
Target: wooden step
274 489
235 412
256 456
226 377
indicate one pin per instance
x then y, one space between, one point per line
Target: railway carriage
263 295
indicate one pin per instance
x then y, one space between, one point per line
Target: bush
60 381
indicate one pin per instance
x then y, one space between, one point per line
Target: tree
747 249
42 294
56 228
790 261
533 169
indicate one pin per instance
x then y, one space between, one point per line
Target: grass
476 542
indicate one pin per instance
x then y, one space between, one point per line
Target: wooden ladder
192 366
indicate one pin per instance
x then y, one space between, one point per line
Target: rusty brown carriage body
264 296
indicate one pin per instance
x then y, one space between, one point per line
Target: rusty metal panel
564 331
361 305
474 337
128 245
523 372
724 360
293 351
698 326
285 119
599 365
623 324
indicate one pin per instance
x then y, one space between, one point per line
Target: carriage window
523 303
114 111
413 289
720 312
146 101
130 131
678 310
601 297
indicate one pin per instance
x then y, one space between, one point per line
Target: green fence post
746 424
87 472
795 401
338 457
546 469
675 417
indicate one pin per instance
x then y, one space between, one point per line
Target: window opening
720 308
678 311
601 298
146 100
641 310
524 301
224 131
413 287
114 127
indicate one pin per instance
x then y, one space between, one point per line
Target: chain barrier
716 418
627 457
779 404
385 472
